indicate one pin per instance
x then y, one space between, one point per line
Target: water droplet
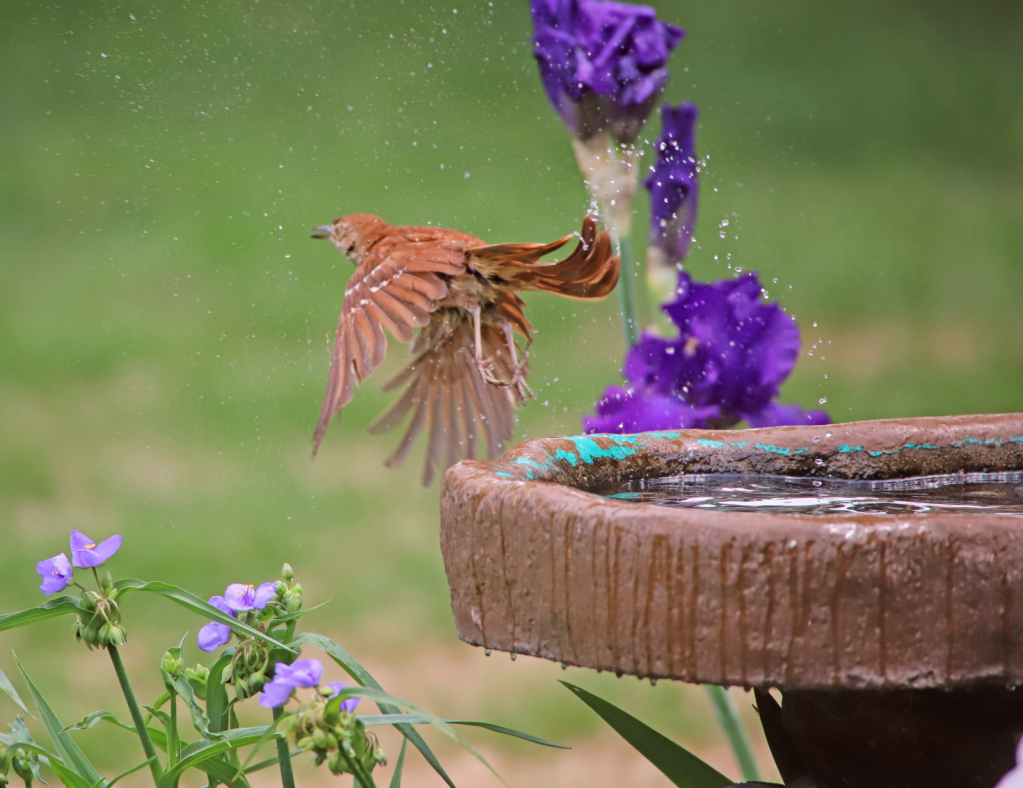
817 482
487 652
724 223
653 682
822 400
816 438
828 434
815 324
514 656
818 462
564 666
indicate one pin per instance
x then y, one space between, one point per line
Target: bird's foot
486 368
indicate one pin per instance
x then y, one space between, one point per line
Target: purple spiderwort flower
302 673
673 184
214 634
245 597
602 63
56 573
85 553
732 353
348 704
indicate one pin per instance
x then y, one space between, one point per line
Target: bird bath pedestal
896 640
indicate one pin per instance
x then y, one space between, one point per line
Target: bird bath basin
896 638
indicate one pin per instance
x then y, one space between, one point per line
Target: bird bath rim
539 564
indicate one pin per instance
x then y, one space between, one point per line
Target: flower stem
173 741
728 715
136 715
284 756
627 294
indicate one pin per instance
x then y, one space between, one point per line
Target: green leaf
199 751
51 608
370 720
678 764
381 697
216 693
728 716
8 688
94 719
66 776
199 720
190 601
132 770
62 742
362 676
269 762
396 777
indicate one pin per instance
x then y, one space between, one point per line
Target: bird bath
896 639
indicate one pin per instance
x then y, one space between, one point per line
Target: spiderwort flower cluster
101 625
324 724
731 354
57 573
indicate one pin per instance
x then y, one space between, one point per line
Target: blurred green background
165 319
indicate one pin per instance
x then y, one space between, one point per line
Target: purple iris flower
245 597
602 63
673 183
214 634
348 704
302 673
732 353
85 553
56 574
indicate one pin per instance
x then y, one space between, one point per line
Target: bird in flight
467 372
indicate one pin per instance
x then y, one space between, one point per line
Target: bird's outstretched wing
590 272
447 396
396 287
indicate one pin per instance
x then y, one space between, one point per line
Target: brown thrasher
466 373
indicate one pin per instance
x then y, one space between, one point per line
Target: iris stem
284 756
627 293
136 715
728 715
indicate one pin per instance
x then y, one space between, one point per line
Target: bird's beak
323 231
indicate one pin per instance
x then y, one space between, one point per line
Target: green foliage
266 638
678 764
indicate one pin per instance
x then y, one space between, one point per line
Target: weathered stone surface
796 601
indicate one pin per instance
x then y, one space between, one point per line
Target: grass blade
190 601
59 606
396 777
62 742
362 676
370 720
676 763
8 688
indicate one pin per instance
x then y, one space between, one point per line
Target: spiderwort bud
197 678
288 573
107 583
23 763
171 664
293 599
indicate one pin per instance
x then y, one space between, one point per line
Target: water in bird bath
996 493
